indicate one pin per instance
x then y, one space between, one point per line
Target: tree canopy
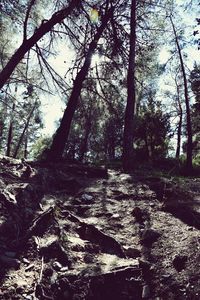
108 71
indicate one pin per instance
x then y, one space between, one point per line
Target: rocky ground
69 231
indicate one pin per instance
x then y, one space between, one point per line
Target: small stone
28 297
57 266
166 276
145 292
25 260
115 216
190 228
31 266
86 197
64 269
54 278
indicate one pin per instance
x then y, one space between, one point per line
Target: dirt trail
75 232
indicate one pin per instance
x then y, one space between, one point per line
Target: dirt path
68 233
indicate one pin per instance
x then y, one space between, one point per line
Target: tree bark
61 136
127 155
27 44
187 103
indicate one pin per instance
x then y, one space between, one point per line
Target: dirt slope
69 231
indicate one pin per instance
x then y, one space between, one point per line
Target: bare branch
32 2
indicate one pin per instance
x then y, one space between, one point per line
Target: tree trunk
61 136
127 155
26 145
84 144
27 44
10 132
179 131
187 103
23 132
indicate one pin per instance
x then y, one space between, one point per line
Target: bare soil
70 231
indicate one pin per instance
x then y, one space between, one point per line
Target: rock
87 197
57 266
8 199
31 266
145 292
115 216
190 228
26 261
64 269
149 236
179 262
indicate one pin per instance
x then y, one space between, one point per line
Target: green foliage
40 146
195 114
151 133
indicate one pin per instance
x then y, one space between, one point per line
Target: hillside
71 231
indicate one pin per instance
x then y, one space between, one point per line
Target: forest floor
69 231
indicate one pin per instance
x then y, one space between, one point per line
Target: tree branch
26 45
32 2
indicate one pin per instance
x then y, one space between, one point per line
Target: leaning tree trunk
27 44
127 155
179 130
61 136
187 103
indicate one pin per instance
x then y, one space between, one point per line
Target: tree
62 133
131 94
195 115
151 131
28 43
187 101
